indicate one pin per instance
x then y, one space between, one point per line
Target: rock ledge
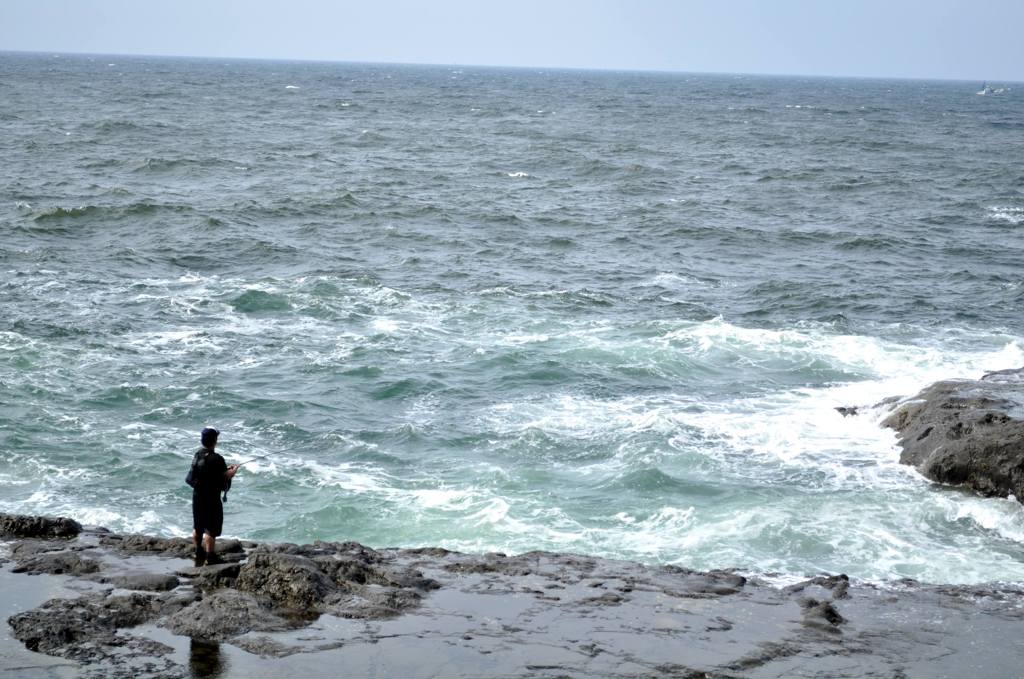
274 609
967 432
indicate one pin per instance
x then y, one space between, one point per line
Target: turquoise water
492 309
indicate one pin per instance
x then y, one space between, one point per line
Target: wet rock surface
145 582
290 609
52 557
967 432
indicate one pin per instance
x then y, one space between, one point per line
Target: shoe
213 560
200 556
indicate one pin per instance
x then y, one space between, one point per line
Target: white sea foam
167 337
386 326
52 498
498 290
526 338
174 342
785 438
799 538
14 480
386 296
475 506
912 365
1003 516
437 498
682 282
784 423
1010 215
517 175
877 369
99 516
493 511
12 341
348 477
584 418
801 430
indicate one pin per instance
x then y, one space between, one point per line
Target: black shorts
207 514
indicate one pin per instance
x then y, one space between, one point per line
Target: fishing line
263 457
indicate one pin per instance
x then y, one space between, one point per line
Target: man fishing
208 476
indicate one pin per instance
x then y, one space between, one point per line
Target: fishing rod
260 457
271 453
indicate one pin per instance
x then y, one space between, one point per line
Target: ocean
507 309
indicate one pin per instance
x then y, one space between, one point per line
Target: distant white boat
987 89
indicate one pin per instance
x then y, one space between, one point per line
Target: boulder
56 563
223 615
147 544
289 580
74 627
967 432
18 526
377 603
821 615
209 578
351 572
838 585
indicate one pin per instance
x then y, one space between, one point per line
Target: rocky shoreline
132 605
90 602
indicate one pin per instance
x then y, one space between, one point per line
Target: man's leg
212 528
208 544
200 552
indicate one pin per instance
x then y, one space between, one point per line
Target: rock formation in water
967 432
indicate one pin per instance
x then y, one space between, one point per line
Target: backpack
190 478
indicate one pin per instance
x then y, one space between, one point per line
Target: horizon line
591 69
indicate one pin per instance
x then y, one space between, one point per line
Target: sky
943 39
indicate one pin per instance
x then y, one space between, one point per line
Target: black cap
208 436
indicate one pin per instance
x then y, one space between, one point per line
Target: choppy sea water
491 309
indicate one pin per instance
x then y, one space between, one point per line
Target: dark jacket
207 474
